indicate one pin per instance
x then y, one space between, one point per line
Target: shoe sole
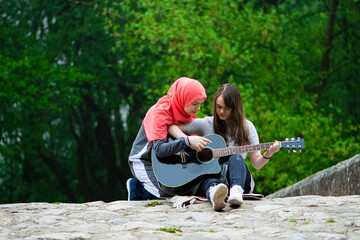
219 197
128 188
235 202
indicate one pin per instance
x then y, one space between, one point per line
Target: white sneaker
218 194
236 196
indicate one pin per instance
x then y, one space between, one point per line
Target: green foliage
170 229
153 204
330 220
55 116
31 109
76 79
267 57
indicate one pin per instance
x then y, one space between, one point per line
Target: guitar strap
183 159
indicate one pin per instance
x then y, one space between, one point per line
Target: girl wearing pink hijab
180 105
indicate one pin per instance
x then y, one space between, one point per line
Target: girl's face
193 107
222 110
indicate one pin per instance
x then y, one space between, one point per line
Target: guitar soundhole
205 155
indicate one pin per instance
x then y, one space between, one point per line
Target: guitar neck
221 152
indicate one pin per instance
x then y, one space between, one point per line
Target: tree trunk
60 175
325 62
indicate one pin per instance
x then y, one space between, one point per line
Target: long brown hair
236 123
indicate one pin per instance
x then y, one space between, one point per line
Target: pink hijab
170 108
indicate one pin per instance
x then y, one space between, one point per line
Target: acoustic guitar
179 173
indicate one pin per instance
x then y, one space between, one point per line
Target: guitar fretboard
221 152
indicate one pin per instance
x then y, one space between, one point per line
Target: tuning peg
300 150
298 139
288 150
292 139
294 150
286 139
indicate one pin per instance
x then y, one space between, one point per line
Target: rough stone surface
339 180
303 217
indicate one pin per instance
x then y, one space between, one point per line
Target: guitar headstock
293 144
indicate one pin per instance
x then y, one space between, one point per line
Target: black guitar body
179 173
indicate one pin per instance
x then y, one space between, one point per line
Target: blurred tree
77 77
272 50
64 91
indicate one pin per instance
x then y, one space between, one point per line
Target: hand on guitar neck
273 149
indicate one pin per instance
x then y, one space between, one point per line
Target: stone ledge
339 180
303 217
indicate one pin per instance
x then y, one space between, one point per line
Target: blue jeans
138 192
237 174
237 170
204 187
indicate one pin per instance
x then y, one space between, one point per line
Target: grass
153 203
170 229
